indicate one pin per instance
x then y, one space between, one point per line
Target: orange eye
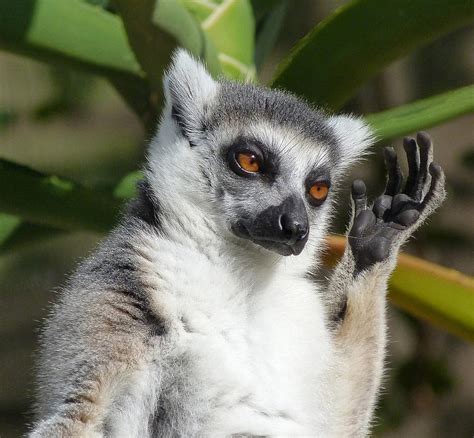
319 191
248 162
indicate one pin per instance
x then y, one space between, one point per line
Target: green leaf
423 113
442 296
76 34
201 9
228 27
177 21
261 8
152 45
8 225
268 30
54 201
223 40
71 32
23 234
360 39
101 3
154 29
126 188
231 29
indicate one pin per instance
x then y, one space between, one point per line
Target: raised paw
378 231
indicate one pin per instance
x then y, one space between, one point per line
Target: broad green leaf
76 34
178 21
223 39
151 44
71 32
360 39
423 113
154 29
53 201
442 296
228 27
231 29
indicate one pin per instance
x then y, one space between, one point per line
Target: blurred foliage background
75 125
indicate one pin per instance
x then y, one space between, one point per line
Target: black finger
363 222
436 193
381 205
359 196
426 156
395 178
413 159
407 217
401 202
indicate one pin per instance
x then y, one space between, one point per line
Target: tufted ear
188 88
355 138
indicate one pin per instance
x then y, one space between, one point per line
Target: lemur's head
261 163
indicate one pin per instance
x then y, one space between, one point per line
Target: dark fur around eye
264 158
317 176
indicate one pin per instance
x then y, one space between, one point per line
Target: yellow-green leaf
231 29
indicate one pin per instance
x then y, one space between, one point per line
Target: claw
395 177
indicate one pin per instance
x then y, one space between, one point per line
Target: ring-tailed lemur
189 320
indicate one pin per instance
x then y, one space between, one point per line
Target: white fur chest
255 357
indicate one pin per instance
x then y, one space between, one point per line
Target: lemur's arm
358 285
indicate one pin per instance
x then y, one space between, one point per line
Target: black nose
286 225
281 228
293 227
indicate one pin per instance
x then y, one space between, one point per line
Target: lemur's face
271 179
269 162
